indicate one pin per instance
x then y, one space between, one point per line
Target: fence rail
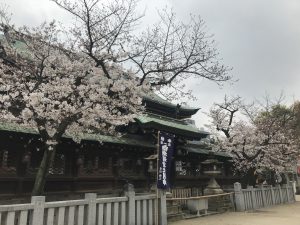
127 210
130 209
200 197
255 198
185 193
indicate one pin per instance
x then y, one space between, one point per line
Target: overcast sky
259 39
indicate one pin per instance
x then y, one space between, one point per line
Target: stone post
38 210
129 192
293 192
239 197
91 212
163 207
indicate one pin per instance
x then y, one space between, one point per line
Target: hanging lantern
79 161
139 162
26 158
151 167
179 152
152 159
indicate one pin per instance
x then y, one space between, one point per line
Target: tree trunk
249 178
43 170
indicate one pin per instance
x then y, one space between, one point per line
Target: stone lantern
212 167
152 164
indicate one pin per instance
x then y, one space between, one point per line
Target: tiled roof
177 127
126 140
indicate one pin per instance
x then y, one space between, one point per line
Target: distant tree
296 120
90 77
258 136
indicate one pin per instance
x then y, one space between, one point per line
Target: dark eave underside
131 140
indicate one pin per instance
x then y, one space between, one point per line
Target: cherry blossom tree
164 55
60 91
90 77
296 122
171 52
258 136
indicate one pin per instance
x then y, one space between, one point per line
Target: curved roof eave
178 127
158 100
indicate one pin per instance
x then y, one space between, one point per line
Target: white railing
127 210
260 197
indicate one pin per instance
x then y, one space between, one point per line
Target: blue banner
166 149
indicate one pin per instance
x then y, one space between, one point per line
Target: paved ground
288 214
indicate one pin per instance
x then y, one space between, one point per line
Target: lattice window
94 165
58 165
8 162
130 167
185 168
35 157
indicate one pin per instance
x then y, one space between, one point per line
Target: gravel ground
288 214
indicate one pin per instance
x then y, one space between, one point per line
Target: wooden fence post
129 192
293 199
38 210
163 208
239 197
272 195
263 194
287 193
232 201
280 193
253 199
91 212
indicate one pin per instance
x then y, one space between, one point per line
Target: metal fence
128 210
262 196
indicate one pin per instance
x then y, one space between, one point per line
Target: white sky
260 39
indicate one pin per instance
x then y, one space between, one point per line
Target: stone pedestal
213 187
197 205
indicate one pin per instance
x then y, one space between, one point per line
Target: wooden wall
90 166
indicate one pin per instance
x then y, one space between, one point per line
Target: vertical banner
166 149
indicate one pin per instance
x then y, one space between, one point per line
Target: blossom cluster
257 138
55 89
